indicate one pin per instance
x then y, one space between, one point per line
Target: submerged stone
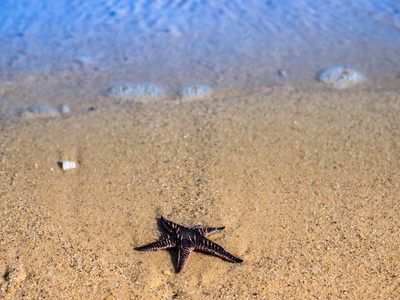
341 77
39 112
136 91
282 73
195 91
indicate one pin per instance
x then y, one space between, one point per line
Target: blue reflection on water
218 36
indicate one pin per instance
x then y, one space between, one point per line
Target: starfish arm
183 257
209 246
170 226
161 244
209 230
204 231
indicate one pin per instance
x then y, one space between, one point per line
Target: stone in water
195 91
341 77
136 91
39 112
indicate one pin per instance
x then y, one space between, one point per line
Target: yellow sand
305 179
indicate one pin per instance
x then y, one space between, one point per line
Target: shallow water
70 52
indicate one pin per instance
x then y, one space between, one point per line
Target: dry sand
305 179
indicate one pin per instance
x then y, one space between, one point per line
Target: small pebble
196 91
341 77
66 165
39 112
166 272
65 109
282 73
136 91
16 275
83 60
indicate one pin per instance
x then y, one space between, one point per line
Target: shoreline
54 94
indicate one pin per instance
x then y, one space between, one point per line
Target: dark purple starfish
187 239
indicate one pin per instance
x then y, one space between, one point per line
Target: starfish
187 239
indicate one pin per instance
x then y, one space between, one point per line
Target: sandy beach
304 178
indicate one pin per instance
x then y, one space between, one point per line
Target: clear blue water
52 47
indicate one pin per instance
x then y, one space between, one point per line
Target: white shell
341 77
67 164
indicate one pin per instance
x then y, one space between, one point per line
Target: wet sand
304 178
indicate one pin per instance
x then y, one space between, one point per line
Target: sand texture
305 179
